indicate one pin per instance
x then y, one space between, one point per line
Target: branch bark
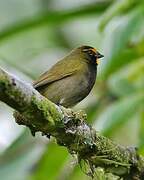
70 130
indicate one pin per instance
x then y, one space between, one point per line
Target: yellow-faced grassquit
71 79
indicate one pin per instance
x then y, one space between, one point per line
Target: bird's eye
91 53
92 56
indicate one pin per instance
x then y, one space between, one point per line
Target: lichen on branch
69 128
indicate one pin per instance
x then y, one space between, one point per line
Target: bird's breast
87 80
90 77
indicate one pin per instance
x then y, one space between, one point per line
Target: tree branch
70 129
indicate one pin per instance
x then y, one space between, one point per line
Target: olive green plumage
71 79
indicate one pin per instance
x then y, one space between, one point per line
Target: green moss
48 113
9 93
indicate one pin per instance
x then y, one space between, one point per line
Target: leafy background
34 34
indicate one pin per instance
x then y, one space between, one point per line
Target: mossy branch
70 130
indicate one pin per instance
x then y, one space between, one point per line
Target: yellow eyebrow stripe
94 50
91 49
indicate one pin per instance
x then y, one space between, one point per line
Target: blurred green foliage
33 35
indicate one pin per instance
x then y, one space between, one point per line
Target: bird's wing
59 71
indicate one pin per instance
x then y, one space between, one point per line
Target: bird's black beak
98 55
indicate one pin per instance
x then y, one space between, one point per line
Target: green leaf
141 132
79 173
119 113
19 158
21 140
51 163
115 9
129 79
52 18
116 40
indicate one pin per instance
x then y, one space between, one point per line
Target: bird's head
90 54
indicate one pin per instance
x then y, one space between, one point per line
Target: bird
71 79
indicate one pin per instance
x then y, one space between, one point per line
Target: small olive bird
71 79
